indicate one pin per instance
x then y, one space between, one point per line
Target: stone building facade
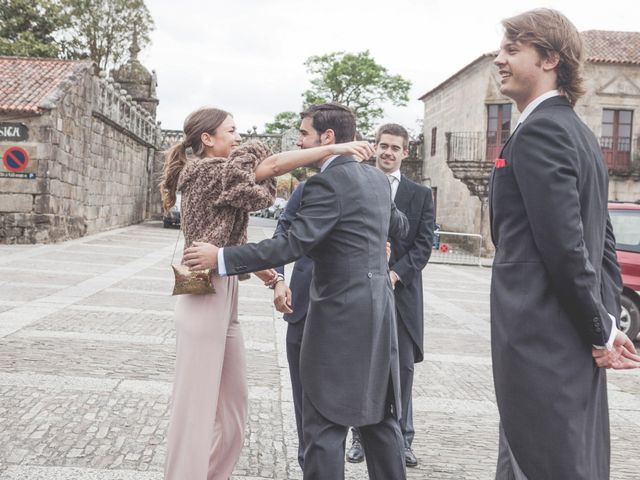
91 152
467 119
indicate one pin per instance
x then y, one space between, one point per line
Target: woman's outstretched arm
284 162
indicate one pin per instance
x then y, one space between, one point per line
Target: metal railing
617 153
471 147
458 248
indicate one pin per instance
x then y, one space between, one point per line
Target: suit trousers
294 342
406 352
210 396
325 446
507 468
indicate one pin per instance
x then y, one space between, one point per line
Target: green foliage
105 30
28 27
357 81
100 30
282 122
302 173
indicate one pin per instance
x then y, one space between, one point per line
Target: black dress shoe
355 453
410 459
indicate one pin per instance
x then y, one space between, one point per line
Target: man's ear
328 137
551 61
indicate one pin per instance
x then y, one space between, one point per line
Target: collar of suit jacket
337 160
532 105
326 164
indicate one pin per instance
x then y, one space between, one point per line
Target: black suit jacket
554 281
349 347
410 255
301 276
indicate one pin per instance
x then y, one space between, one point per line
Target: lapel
493 173
559 100
404 194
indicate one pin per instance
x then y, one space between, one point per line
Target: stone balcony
471 161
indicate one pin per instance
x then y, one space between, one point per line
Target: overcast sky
247 56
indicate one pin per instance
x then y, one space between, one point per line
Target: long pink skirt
209 400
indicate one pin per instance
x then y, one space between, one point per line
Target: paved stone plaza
87 353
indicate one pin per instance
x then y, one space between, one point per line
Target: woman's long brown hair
204 120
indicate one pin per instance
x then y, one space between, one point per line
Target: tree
282 122
357 81
105 30
101 30
28 27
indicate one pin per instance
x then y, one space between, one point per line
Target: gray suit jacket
349 348
554 280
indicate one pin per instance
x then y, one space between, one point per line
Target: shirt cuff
222 270
612 336
397 276
614 333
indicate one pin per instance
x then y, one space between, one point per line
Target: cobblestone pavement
87 353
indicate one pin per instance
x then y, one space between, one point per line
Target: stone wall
93 152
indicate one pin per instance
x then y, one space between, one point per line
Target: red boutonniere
501 163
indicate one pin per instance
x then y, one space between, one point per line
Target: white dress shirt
394 181
532 106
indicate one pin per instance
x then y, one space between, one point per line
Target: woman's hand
362 150
269 276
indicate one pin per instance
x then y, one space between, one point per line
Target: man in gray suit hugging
349 356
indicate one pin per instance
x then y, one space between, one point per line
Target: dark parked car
172 219
625 218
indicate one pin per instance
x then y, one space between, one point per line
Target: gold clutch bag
192 282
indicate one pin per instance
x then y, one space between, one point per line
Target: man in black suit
409 256
349 357
555 282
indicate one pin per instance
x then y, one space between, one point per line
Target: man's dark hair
395 130
332 116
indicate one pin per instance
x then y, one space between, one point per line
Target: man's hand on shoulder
201 255
622 356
